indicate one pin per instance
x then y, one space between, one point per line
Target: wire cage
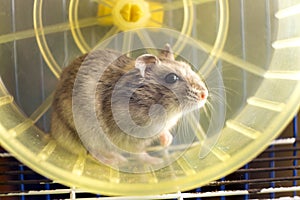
273 174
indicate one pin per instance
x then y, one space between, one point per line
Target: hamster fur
144 83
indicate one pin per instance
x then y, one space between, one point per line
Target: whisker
205 110
220 99
210 108
226 89
183 131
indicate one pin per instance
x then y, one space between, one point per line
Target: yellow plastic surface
257 55
130 14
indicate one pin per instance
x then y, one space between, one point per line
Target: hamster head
150 96
177 86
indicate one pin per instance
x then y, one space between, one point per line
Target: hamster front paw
166 138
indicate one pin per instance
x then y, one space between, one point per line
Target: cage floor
273 174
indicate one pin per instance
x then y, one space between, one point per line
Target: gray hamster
136 103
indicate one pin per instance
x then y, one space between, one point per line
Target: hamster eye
171 78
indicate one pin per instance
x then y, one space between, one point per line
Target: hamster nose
203 95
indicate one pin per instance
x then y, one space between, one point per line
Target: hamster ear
167 52
144 61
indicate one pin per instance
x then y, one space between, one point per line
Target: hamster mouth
193 104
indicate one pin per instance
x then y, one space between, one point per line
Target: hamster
136 103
